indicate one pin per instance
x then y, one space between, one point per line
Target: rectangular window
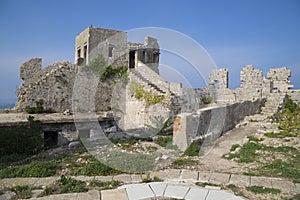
110 52
78 53
84 51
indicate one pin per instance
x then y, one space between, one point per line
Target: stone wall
53 85
29 69
210 122
280 79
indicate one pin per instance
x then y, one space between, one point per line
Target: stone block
215 194
283 185
103 178
135 178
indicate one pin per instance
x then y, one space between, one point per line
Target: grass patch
22 192
203 184
281 134
148 179
163 140
70 185
234 147
283 169
193 149
263 190
182 162
34 169
253 138
105 185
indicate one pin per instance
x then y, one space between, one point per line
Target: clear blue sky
265 33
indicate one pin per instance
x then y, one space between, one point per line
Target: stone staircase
145 82
274 103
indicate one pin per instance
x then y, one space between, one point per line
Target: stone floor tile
196 194
118 194
176 191
138 191
216 195
158 188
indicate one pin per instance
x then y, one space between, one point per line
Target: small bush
39 108
148 179
22 192
70 185
183 162
206 99
193 149
163 141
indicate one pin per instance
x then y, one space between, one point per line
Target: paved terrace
177 184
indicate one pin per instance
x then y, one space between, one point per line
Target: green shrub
110 72
163 141
22 192
193 149
183 162
206 99
70 185
148 179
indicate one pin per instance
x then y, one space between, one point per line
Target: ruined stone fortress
192 119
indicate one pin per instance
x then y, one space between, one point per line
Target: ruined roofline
105 29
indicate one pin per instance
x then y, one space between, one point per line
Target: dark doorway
50 138
132 59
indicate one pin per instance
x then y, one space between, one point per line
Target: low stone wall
210 122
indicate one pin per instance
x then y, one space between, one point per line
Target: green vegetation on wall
106 72
150 97
38 108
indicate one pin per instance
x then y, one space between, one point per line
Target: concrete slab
158 188
239 180
219 178
261 181
176 191
204 176
138 191
196 194
119 194
186 174
125 178
215 195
